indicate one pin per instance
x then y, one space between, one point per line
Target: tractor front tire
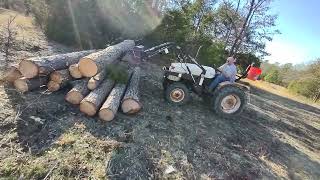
177 93
229 101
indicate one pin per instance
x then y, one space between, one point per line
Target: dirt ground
43 136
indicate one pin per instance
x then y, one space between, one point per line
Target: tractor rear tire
229 101
177 93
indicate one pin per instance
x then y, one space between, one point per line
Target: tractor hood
181 68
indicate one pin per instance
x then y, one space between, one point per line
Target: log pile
86 71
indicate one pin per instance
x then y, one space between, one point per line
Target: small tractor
187 76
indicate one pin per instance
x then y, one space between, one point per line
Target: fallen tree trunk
131 103
110 106
13 74
96 80
23 84
91 103
32 67
96 62
74 71
78 92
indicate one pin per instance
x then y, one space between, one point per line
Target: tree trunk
110 106
96 62
74 71
23 84
240 36
13 74
96 80
32 67
78 92
130 101
92 103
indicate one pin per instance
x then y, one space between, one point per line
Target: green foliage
118 73
273 77
308 87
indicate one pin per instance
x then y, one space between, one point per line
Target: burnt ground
274 138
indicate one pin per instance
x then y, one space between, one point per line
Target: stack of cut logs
87 72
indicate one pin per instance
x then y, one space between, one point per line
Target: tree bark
74 71
13 74
78 92
32 67
96 62
110 106
23 84
96 80
130 102
92 103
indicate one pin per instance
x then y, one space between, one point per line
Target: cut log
130 102
53 86
60 76
13 74
96 80
74 71
92 64
32 67
110 106
23 84
92 103
78 92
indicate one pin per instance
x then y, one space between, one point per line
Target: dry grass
281 91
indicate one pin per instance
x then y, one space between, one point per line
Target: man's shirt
230 71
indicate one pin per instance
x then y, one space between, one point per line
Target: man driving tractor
228 73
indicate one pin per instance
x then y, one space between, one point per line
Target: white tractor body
195 70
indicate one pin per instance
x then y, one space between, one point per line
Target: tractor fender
227 83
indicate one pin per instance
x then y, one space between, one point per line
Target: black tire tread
224 91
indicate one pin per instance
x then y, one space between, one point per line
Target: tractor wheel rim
177 95
230 104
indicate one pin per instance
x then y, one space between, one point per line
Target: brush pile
89 72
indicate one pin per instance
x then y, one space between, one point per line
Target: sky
299 24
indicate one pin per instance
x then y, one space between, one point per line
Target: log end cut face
88 108
53 86
130 106
74 97
21 85
28 69
13 75
55 76
92 84
106 115
88 67
74 71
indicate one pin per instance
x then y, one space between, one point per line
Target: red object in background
254 73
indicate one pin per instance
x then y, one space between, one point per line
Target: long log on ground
92 103
130 102
78 92
32 67
74 71
110 107
92 64
23 84
96 80
13 74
